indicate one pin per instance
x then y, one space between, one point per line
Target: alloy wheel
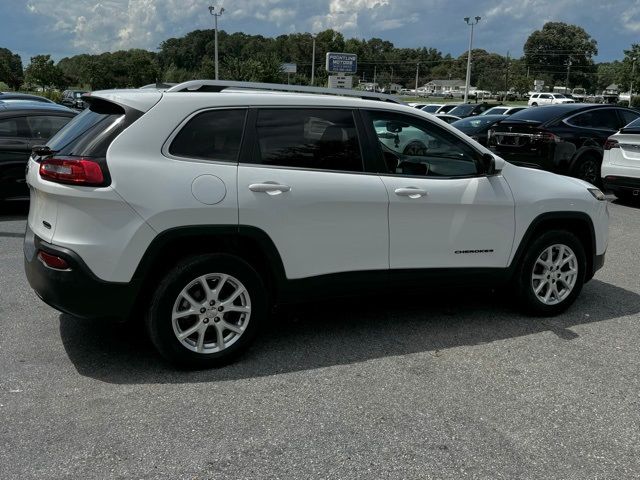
211 313
554 274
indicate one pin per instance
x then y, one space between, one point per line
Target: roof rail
220 85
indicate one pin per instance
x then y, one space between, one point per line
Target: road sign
340 81
289 68
341 62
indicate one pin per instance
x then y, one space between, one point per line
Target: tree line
555 53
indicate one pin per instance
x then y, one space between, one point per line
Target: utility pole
466 85
566 85
375 67
506 77
633 74
417 72
215 21
313 62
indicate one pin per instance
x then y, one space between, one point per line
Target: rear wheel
587 168
534 104
551 274
206 311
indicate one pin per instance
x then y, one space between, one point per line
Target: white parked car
621 163
548 99
199 207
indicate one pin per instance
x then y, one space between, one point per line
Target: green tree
11 68
42 71
549 51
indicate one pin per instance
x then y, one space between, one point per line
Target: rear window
91 132
462 109
475 122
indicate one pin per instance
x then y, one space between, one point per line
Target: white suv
548 99
621 162
201 206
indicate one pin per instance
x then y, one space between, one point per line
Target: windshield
431 108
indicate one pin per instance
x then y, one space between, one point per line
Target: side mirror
490 164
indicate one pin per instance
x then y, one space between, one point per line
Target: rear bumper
76 291
616 183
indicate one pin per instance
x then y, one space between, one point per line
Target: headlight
597 194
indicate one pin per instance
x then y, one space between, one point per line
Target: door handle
411 192
270 188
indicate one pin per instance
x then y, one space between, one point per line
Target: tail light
74 171
547 137
611 143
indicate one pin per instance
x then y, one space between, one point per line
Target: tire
216 318
415 148
587 168
532 272
534 104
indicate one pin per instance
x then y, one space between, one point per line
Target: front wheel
206 310
551 274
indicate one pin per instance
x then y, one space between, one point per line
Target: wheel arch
248 243
578 223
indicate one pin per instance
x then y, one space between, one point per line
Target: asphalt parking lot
432 388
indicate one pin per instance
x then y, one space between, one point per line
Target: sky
69 27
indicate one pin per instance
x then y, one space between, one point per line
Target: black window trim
174 133
251 151
381 165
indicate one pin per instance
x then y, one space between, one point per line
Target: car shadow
17 210
338 333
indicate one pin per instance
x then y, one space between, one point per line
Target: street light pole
633 72
313 62
215 46
566 85
417 71
466 85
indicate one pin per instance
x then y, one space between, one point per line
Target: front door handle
270 188
411 192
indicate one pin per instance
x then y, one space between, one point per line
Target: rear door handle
411 192
270 188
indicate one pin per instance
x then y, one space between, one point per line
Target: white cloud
101 25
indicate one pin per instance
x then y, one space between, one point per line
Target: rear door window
211 135
598 119
46 126
15 127
628 116
322 139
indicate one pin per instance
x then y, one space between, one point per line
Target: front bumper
76 291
